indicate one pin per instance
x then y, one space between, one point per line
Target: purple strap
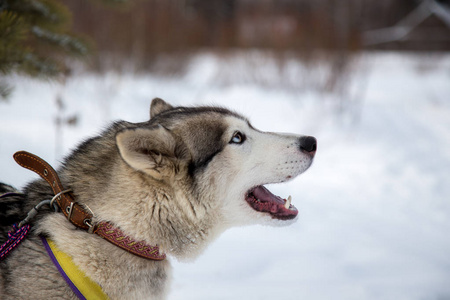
15 236
60 269
11 194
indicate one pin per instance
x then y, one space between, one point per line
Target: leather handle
72 210
41 167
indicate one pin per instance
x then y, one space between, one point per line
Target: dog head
217 162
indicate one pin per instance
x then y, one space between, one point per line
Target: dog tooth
287 204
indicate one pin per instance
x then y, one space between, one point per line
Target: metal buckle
69 210
58 196
88 223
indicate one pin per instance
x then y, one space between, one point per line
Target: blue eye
238 138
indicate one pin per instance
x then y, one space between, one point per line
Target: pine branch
35 39
12 28
13 32
68 43
35 66
45 13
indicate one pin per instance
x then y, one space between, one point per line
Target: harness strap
80 284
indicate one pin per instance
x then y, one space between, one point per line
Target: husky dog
176 181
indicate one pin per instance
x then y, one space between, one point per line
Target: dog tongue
264 194
262 200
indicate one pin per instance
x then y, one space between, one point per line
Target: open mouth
262 200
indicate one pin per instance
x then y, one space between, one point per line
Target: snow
374 207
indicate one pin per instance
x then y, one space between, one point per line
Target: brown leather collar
78 216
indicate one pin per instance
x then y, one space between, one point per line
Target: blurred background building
144 29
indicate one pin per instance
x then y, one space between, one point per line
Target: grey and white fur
178 181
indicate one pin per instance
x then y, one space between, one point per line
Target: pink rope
15 236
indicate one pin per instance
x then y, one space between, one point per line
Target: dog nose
308 144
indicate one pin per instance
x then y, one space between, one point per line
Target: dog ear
158 106
154 151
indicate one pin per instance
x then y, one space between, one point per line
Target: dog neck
156 213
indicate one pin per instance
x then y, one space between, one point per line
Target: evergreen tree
35 40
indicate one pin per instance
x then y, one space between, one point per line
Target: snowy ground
374 207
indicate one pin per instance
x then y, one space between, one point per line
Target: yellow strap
85 285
